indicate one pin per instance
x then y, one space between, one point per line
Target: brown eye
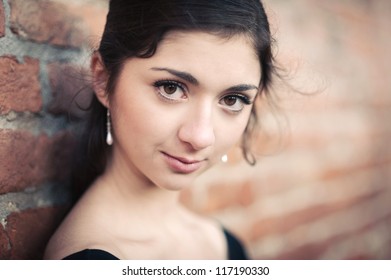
230 100
170 89
235 102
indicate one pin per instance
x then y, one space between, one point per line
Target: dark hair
134 28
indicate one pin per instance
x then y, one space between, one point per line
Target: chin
177 185
172 181
178 182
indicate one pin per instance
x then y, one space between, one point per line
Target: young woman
175 83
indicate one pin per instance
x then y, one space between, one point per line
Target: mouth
182 165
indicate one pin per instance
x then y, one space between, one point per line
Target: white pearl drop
109 139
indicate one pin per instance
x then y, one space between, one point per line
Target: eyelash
161 83
244 98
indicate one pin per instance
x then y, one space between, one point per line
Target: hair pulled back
134 28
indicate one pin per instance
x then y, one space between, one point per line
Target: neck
134 191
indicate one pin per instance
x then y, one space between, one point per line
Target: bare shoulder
81 229
212 232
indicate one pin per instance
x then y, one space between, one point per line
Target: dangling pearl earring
109 137
224 158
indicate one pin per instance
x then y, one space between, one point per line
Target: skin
165 135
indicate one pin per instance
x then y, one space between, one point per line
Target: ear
99 79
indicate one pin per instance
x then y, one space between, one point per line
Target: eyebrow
191 79
183 75
243 87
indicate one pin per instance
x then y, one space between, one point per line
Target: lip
182 165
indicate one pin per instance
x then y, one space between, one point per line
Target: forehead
207 38
203 44
208 56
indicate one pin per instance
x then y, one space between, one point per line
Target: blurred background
321 188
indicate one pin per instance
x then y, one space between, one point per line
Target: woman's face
176 113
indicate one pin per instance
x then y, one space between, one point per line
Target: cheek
135 126
144 121
230 132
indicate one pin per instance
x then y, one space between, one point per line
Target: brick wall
320 190
44 46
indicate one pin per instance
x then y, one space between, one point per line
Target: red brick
310 251
4 244
331 173
270 226
46 22
2 20
20 89
70 90
315 250
228 195
28 160
30 230
94 18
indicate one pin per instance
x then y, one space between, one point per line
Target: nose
197 128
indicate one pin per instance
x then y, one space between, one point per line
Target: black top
236 251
